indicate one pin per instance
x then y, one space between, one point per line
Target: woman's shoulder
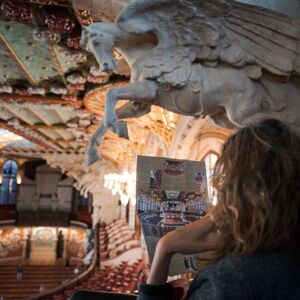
236 276
280 259
263 262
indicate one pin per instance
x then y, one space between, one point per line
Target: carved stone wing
212 32
184 31
270 39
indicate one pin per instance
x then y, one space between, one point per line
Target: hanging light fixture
122 184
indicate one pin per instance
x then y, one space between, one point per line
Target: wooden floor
33 278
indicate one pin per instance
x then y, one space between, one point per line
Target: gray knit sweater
268 276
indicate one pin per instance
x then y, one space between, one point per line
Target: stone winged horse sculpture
198 57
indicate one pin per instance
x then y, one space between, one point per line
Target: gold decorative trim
84 17
94 100
215 132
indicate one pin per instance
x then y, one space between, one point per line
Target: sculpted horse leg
129 110
94 142
133 110
144 91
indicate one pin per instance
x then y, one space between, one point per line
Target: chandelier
123 184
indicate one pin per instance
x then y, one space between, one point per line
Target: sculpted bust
233 62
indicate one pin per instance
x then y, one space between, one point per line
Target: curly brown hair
257 179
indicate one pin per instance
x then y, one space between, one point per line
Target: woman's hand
186 240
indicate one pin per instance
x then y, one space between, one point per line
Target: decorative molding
27 134
16 58
29 152
44 126
5 98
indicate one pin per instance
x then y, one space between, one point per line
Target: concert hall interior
87 87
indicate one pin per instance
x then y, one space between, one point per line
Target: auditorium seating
121 279
121 268
115 238
120 271
34 279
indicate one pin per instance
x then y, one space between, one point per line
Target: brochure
170 193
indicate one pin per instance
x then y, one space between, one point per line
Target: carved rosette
73 40
46 36
59 21
16 11
22 91
75 57
84 17
75 87
97 79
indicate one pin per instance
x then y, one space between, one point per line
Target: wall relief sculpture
234 62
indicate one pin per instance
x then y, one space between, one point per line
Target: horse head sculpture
198 58
102 43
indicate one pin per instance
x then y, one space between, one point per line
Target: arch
207 151
8 190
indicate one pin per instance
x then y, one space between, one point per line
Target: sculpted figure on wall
233 62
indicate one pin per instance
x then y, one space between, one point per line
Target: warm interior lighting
122 184
214 201
19 178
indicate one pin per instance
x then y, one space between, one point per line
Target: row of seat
121 279
35 279
115 238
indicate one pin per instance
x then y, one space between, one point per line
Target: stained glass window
8 190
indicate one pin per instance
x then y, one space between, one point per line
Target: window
210 161
8 191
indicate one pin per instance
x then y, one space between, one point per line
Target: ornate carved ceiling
44 74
